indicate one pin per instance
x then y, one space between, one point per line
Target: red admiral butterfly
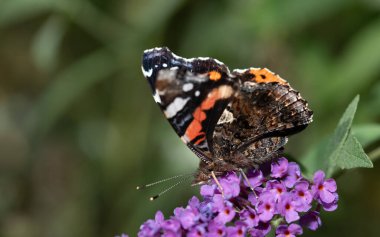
230 120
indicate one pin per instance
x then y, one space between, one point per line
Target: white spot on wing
176 106
256 68
156 97
203 58
153 49
198 78
187 87
240 70
147 73
164 65
197 93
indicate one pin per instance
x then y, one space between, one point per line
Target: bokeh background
79 129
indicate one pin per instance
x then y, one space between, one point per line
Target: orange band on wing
263 75
214 75
199 115
194 130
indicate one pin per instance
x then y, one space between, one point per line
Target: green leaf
344 126
352 155
344 150
341 150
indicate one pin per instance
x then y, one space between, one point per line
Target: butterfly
230 120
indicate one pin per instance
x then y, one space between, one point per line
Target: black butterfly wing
192 93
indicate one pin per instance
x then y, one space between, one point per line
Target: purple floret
287 208
225 215
186 217
231 185
237 230
216 229
277 189
302 196
250 217
293 175
279 168
266 207
311 220
288 231
322 189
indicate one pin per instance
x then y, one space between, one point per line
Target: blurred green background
79 129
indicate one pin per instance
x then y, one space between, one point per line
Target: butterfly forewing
192 93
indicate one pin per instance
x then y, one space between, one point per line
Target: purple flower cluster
280 199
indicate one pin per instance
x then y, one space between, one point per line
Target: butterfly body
230 120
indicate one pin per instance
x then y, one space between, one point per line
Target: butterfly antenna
186 177
164 180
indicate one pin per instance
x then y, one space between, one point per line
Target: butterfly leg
217 182
247 180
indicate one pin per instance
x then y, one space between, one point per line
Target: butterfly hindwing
263 112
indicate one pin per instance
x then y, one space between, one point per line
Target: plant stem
374 154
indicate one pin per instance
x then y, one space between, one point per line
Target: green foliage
14 11
66 88
47 42
342 149
350 155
